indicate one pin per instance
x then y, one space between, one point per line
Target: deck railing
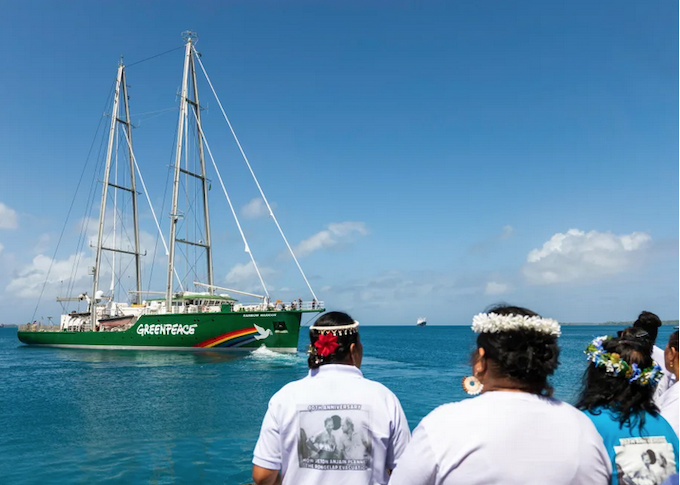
39 327
296 305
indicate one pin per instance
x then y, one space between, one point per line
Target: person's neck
504 384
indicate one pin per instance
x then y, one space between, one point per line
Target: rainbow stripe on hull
236 338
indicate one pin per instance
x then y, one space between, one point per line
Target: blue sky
425 159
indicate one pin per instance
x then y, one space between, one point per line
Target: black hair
524 355
649 322
331 319
628 400
651 455
335 419
673 340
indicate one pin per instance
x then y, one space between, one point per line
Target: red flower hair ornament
326 344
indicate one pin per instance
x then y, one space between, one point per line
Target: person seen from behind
514 432
650 323
617 395
333 426
668 401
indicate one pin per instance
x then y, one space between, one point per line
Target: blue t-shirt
640 457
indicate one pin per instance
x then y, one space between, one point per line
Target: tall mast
204 181
105 191
120 81
133 192
190 38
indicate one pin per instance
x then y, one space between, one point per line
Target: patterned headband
327 343
337 329
613 364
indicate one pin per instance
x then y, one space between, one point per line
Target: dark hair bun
525 355
650 322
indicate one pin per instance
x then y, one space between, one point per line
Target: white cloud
30 280
1 247
244 277
579 256
8 217
43 244
124 238
494 288
507 232
256 208
337 233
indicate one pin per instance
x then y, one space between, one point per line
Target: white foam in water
263 353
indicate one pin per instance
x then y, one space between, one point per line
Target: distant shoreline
664 323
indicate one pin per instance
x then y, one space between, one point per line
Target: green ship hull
231 331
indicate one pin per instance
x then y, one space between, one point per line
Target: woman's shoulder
669 397
468 409
601 416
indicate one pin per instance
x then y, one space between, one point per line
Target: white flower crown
494 323
338 329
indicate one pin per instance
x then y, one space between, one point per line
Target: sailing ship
422 321
180 319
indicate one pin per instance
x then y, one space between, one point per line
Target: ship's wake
264 354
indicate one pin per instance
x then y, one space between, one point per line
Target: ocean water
86 416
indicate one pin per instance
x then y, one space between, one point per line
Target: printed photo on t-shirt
335 437
644 461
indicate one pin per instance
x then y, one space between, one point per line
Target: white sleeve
661 388
594 461
401 435
417 466
667 379
267 452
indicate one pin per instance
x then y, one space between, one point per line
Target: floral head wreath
327 343
494 323
613 364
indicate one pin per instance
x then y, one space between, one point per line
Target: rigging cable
153 57
89 206
165 193
271 212
238 224
68 214
146 193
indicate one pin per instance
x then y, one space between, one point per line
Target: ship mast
120 82
190 38
133 193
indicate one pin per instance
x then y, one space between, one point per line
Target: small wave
265 354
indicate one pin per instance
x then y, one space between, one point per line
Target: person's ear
356 354
479 367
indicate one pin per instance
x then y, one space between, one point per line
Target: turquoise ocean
88 416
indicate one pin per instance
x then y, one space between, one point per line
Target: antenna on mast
190 36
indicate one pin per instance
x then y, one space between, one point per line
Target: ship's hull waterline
223 331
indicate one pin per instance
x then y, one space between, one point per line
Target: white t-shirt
508 438
668 378
333 427
669 407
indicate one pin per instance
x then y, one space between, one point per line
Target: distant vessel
181 319
422 321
